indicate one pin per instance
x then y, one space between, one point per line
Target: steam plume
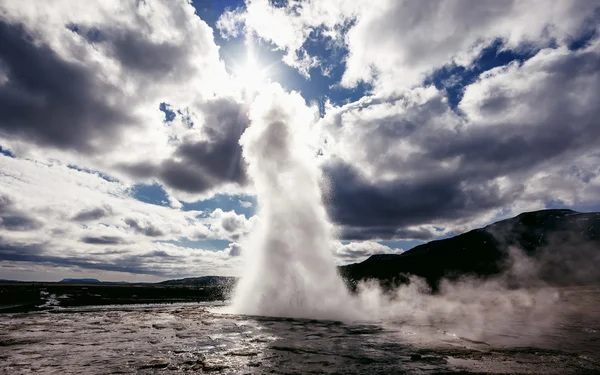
290 269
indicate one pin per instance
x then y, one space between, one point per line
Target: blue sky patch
241 204
155 194
210 10
169 113
588 34
6 152
454 79
150 193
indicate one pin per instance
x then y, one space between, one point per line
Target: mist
290 269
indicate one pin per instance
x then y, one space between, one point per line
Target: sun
251 75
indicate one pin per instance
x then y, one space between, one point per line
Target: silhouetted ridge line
564 244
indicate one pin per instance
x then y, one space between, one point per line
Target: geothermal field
299 187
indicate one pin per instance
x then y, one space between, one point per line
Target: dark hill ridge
201 281
563 244
80 281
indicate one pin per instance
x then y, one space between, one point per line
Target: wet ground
190 338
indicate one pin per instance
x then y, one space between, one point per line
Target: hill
80 281
223 281
562 246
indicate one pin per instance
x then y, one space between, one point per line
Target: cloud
419 37
83 82
235 249
147 230
13 219
123 241
34 254
363 231
52 101
228 224
103 240
18 223
410 160
288 27
245 204
355 252
204 161
93 213
395 44
80 84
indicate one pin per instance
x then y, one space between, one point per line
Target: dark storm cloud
563 122
25 252
52 101
13 219
92 214
147 230
185 177
200 165
452 176
18 223
103 240
382 210
133 49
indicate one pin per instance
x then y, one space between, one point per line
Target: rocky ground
194 338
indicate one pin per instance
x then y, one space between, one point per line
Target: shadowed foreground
189 338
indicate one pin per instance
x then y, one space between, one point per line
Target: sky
120 124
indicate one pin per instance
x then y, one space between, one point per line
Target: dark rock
243 353
155 363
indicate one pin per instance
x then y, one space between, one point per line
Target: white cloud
523 136
230 225
394 44
245 204
355 252
86 221
287 28
103 69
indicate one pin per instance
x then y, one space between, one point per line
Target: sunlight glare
251 75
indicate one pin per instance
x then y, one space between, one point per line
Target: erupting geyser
290 270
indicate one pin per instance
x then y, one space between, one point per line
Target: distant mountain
562 247
80 281
201 281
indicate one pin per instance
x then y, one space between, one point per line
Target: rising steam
290 269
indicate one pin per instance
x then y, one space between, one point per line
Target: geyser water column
289 266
